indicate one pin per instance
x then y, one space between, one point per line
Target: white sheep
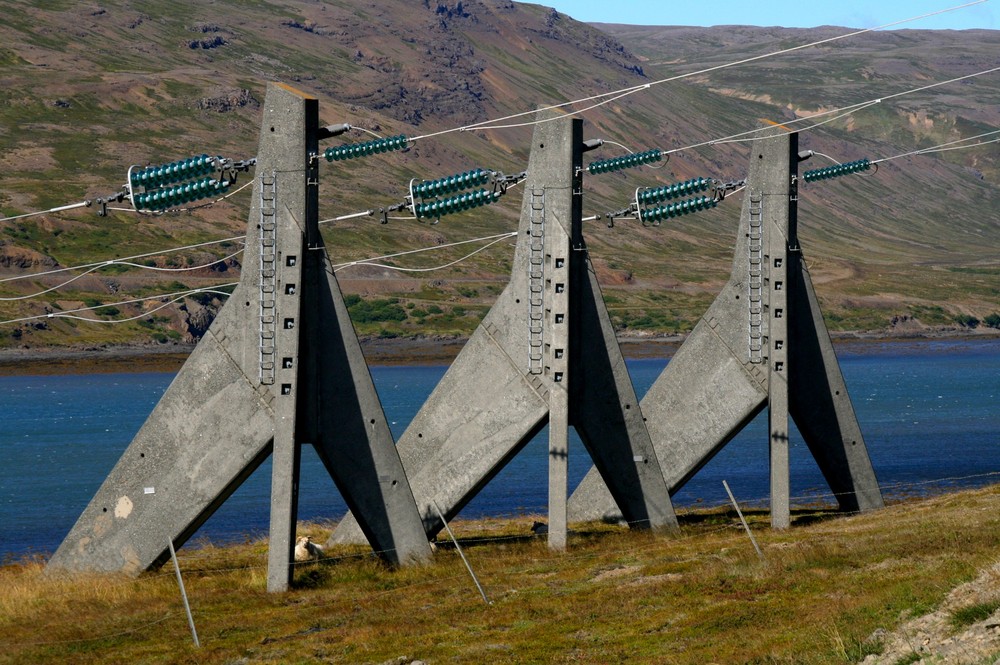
307 550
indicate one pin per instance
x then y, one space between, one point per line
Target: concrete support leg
824 413
743 356
284 510
611 423
544 353
209 432
349 429
777 211
251 387
560 343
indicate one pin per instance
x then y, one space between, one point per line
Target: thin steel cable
440 267
120 263
71 206
940 146
844 110
67 314
488 124
97 638
337 266
127 258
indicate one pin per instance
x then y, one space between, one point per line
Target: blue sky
788 13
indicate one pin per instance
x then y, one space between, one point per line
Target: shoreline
410 351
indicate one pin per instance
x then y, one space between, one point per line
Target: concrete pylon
279 366
762 343
546 352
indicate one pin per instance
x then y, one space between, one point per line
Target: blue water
929 413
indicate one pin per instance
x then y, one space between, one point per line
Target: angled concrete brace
762 343
279 366
545 352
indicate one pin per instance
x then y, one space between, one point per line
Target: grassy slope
825 586
125 88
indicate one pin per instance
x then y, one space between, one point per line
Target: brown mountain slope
88 89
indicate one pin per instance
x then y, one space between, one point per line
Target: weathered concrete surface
343 418
229 406
822 408
497 395
177 471
713 386
776 168
285 194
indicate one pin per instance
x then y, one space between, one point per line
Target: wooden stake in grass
745 525
461 554
180 583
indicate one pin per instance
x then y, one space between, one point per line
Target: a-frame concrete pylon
279 366
546 352
762 343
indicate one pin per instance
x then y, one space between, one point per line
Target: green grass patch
909 660
966 616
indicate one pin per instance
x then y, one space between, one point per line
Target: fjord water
930 413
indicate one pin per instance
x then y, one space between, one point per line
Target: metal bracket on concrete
546 352
762 343
280 366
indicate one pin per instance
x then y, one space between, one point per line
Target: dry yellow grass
614 596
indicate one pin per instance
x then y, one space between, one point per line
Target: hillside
86 90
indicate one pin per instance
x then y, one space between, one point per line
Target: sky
787 13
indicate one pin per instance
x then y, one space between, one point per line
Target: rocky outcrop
228 101
20 258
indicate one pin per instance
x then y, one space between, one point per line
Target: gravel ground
931 640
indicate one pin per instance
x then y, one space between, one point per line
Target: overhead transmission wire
180 295
843 111
943 147
846 110
109 262
82 204
622 92
119 263
371 262
612 96
840 113
857 167
88 203
176 296
732 138
124 260
950 145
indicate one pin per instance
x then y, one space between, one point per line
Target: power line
121 263
71 206
942 147
856 167
501 238
843 111
108 262
68 314
487 124
180 295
